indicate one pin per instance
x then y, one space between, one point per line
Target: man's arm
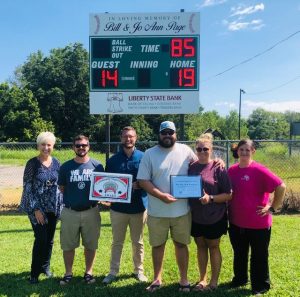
154 191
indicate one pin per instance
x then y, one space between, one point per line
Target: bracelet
211 198
272 210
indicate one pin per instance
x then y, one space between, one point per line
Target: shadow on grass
15 231
30 230
13 284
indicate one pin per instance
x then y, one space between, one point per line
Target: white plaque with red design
111 187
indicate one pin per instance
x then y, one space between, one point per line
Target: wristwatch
272 210
211 198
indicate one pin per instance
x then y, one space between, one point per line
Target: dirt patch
11 180
11 176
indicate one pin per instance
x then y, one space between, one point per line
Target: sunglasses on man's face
83 145
200 149
171 132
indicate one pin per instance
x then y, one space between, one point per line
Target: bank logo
114 100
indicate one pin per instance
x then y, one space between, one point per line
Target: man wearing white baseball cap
165 212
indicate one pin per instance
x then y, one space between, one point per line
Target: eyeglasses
83 145
167 132
200 149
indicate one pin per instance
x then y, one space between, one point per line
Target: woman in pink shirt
250 216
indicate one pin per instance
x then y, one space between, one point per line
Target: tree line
52 93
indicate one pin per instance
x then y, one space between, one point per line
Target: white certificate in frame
111 187
186 186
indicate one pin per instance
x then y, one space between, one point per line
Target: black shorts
212 231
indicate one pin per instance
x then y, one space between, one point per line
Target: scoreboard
144 63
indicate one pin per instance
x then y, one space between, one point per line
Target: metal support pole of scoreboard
107 136
181 126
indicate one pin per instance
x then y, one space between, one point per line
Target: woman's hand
219 163
39 217
205 199
263 210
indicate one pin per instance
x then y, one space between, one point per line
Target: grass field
275 156
16 239
21 156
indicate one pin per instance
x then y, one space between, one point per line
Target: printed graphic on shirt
245 177
80 177
76 175
81 185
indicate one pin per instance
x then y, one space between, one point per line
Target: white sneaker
109 279
141 277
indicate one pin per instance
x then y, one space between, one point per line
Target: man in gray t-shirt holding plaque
165 212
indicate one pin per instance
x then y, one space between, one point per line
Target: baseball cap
167 125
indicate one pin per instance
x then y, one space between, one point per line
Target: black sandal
88 278
66 279
185 288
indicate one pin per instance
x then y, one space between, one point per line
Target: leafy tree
137 121
264 124
292 116
60 84
20 118
229 126
196 124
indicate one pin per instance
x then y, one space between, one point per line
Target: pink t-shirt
251 187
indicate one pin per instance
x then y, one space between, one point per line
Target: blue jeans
42 246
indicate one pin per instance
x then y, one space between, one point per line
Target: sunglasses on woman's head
200 149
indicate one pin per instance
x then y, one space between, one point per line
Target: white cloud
239 15
236 25
241 11
226 104
207 3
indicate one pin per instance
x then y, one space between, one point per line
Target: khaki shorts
75 223
180 229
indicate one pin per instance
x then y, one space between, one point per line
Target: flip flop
199 287
153 287
65 280
88 278
185 288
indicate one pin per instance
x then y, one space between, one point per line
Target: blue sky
230 33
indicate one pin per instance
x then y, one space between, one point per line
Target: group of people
239 195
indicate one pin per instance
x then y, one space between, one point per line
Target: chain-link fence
282 157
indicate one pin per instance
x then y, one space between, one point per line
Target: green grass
21 156
16 239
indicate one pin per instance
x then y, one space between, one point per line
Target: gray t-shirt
75 177
157 165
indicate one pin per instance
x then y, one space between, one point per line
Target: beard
81 154
166 142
